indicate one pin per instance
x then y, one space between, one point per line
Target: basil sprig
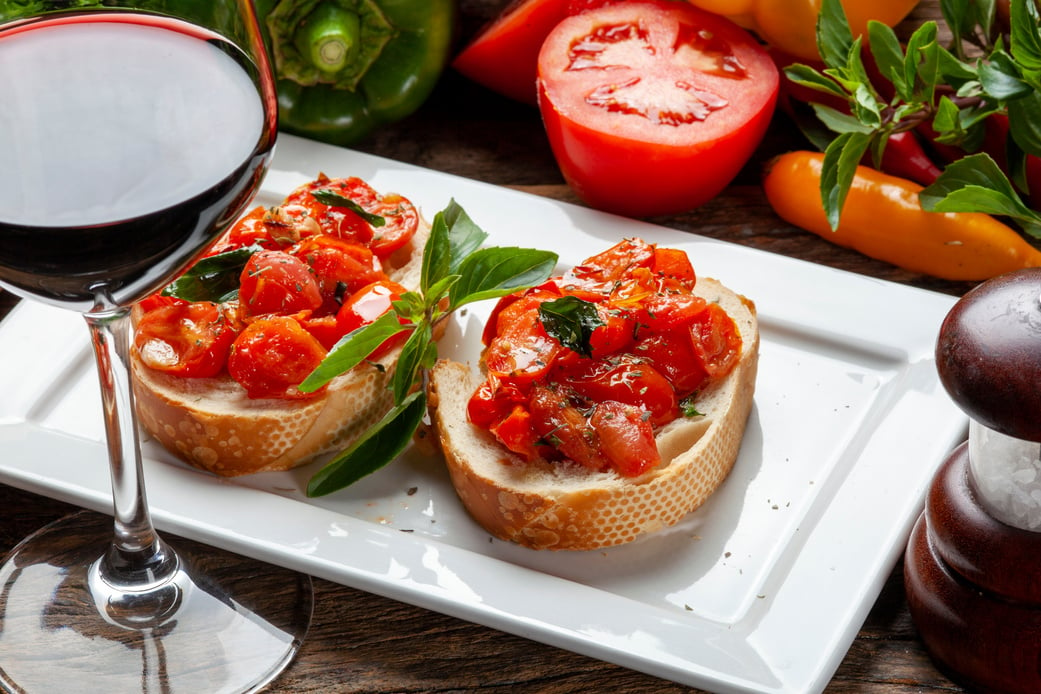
456 271
933 85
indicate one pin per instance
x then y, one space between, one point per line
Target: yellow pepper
791 25
883 219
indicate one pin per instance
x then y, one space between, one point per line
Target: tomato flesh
185 339
653 107
657 343
272 356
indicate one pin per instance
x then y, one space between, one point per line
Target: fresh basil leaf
841 159
464 236
867 107
806 76
214 278
378 446
332 199
437 254
1024 119
1025 39
839 122
921 62
1000 78
888 55
571 321
410 360
493 272
353 349
976 184
834 38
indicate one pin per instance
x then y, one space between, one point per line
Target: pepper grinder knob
972 568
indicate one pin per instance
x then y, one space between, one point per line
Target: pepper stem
329 37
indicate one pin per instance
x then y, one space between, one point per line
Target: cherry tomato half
185 339
272 355
400 217
277 282
651 106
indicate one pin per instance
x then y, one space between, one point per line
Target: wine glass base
227 623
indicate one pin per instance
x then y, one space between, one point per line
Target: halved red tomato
277 282
653 107
400 217
503 55
272 355
185 339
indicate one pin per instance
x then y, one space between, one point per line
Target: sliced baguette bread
212 424
546 505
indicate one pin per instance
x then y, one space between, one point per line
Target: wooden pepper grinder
973 562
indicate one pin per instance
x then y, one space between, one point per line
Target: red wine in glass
128 142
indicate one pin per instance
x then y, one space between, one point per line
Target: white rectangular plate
763 589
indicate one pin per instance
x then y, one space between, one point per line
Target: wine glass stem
137 555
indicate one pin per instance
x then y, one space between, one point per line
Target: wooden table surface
363 643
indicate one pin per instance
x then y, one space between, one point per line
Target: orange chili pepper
882 218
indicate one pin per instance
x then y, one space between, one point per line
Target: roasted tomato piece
672 354
185 339
652 107
493 400
627 379
616 263
368 304
514 431
400 217
340 267
716 341
674 263
272 355
561 425
626 438
522 350
269 227
277 282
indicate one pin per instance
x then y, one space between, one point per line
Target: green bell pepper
345 67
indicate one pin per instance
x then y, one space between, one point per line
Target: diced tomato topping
318 276
656 344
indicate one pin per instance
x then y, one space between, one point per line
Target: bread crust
211 424
545 505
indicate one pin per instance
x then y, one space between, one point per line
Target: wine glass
131 135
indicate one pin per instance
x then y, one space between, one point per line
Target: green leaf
1024 120
493 272
214 278
921 62
834 38
1000 78
353 349
332 199
977 184
437 254
1025 39
464 236
837 171
571 321
888 55
839 122
378 446
411 359
808 77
